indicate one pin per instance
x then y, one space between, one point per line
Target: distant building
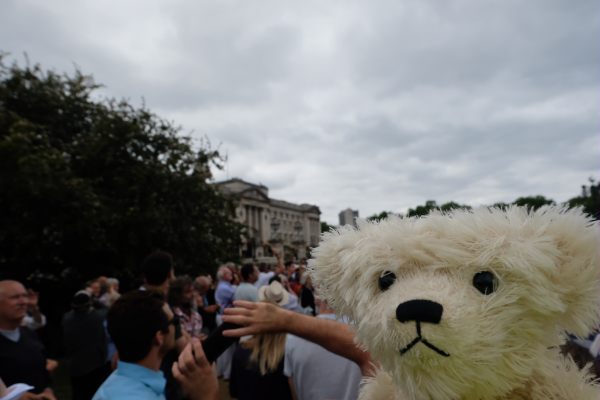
286 227
348 217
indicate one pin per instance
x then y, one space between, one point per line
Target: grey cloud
375 106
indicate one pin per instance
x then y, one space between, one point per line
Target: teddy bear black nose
420 310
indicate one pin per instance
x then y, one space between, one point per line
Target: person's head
82 301
202 284
113 285
140 324
224 274
279 269
262 267
181 292
274 293
158 269
94 287
103 285
235 273
290 268
249 273
13 304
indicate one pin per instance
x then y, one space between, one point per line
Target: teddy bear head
465 304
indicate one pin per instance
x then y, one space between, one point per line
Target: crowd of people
146 343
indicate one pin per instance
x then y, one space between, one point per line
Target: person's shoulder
67 316
119 387
293 341
28 333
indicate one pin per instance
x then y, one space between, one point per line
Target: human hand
212 308
30 396
195 374
47 394
51 365
259 317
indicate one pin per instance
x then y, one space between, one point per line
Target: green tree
422 210
589 199
431 205
451 205
92 186
325 227
533 202
380 216
500 205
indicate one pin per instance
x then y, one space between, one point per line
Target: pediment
254 194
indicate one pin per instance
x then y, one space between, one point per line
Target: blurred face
95 289
188 294
227 275
13 302
202 285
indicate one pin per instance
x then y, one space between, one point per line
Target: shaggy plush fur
494 345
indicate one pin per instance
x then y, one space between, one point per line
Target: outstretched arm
263 317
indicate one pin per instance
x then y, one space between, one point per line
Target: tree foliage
533 202
92 186
325 227
431 205
380 216
589 199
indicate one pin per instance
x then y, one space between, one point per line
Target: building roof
238 180
296 207
237 187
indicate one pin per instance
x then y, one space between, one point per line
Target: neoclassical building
286 227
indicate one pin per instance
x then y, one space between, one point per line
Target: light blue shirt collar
13 335
155 380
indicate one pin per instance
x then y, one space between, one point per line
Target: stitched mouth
420 339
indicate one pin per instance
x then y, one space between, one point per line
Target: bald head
13 304
202 284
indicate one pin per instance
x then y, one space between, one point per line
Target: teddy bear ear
326 268
577 237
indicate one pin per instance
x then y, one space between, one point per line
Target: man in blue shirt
246 290
142 327
225 289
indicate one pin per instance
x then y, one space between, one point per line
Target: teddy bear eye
386 279
485 282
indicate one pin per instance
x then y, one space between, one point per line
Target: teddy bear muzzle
420 311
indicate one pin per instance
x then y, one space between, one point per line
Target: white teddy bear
470 304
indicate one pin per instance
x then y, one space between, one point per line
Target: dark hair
247 270
133 321
274 278
156 267
176 289
288 264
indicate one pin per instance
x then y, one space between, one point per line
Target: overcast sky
373 105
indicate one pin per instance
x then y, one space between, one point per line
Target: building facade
289 229
348 217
